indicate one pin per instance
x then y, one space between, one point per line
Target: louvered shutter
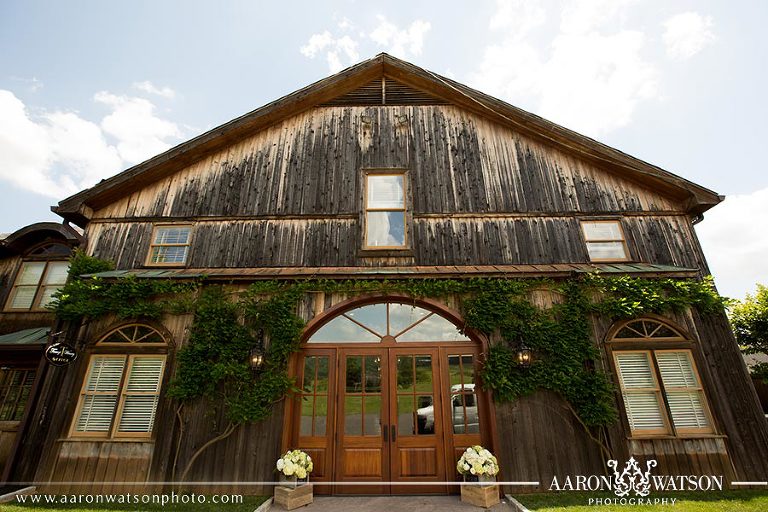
100 393
640 391
26 285
683 390
141 394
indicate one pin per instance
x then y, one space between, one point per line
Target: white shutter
684 395
641 399
23 297
100 394
141 394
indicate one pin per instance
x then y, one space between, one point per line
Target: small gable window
385 211
605 240
170 245
35 285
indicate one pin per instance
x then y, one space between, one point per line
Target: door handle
385 432
394 433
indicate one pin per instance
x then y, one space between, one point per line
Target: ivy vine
213 364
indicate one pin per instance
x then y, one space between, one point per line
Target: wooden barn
389 172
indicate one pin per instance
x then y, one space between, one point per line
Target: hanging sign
60 354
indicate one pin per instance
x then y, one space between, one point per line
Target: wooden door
361 426
415 421
315 411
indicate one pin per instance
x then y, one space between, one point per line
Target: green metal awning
34 336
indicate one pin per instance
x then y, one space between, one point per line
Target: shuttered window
36 283
120 393
685 397
660 386
642 396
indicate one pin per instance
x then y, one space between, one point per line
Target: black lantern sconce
256 359
524 355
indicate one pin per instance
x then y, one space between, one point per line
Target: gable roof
78 207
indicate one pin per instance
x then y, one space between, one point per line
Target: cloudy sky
89 88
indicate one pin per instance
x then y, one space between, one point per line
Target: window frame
40 287
650 346
148 261
587 241
26 370
128 352
367 173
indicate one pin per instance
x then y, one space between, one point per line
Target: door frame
478 341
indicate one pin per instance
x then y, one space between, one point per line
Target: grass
249 504
724 501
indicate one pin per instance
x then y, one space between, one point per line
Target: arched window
121 389
661 388
42 273
403 322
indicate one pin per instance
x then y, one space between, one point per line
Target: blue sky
89 88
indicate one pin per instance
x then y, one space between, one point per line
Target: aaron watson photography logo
633 484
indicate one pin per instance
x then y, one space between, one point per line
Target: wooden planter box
290 498
478 495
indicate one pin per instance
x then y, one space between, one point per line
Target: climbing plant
213 364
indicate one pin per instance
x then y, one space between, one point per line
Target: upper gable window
385 211
36 283
170 245
605 240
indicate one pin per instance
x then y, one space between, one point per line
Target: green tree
750 324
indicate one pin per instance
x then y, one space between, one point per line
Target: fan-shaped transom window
371 323
134 333
647 330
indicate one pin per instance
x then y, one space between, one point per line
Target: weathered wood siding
310 165
531 452
479 193
666 240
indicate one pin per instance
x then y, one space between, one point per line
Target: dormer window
170 245
605 240
385 210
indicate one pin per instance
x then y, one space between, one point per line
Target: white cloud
139 132
334 49
735 242
686 34
519 17
342 50
400 42
591 76
58 153
150 88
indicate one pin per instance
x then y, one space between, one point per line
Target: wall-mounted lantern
256 359
524 355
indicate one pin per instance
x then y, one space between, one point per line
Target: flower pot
480 495
289 498
293 481
482 480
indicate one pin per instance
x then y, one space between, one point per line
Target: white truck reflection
425 415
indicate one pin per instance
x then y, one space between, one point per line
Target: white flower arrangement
477 461
295 463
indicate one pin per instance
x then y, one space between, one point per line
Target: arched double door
389 400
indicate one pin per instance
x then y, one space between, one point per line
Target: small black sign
60 354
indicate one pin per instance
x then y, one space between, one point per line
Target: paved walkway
394 504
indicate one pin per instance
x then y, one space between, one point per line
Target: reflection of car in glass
425 415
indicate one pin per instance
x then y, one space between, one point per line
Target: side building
33 265
367 188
